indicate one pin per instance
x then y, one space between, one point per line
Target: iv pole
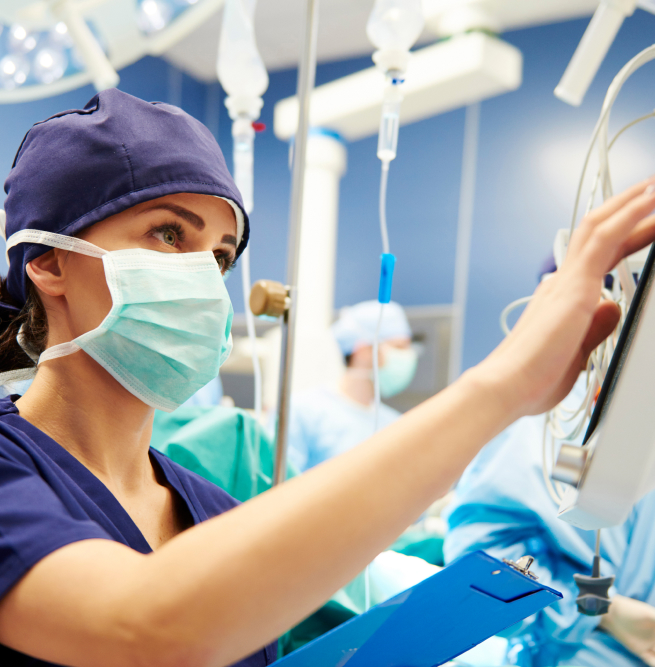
306 77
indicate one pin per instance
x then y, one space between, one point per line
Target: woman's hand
542 357
632 622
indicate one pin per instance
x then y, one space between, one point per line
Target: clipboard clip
523 566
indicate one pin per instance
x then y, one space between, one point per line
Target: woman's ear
46 272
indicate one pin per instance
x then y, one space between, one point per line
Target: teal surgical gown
503 507
325 423
224 445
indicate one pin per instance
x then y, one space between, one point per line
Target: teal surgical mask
168 330
398 370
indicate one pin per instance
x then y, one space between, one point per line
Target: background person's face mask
168 330
398 370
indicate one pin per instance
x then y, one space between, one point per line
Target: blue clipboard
433 622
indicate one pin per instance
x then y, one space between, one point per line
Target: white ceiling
342 29
279 29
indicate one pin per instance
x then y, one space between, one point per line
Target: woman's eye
168 237
225 263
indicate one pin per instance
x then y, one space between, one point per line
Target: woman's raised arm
222 589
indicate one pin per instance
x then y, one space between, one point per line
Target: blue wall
530 154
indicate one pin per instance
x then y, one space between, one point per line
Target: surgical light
154 15
95 59
49 65
14 70
593 47
21 41
33 57
80 36
60 37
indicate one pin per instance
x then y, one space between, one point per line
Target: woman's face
176 223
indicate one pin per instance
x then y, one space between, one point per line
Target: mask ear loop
54 241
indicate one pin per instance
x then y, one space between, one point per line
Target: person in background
329 420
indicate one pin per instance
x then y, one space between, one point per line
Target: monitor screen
623 345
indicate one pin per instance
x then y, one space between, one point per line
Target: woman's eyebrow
181 212
229 239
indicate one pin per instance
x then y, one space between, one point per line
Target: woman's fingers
640 237
565 320
613 205
605 242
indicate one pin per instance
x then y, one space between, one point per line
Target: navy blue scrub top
48 499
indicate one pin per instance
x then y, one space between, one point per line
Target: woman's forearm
262 567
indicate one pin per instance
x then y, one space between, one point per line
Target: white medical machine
597 484
616 465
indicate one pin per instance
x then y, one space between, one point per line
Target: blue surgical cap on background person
357 324
82 166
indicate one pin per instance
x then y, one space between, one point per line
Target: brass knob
268 297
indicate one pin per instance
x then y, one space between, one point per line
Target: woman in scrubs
109 553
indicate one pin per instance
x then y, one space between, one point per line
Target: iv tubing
600 134
376 371
632 66
384 232
306 77
384 178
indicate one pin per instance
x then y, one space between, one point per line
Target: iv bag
240 67
395 24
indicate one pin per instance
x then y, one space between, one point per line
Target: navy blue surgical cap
84 165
